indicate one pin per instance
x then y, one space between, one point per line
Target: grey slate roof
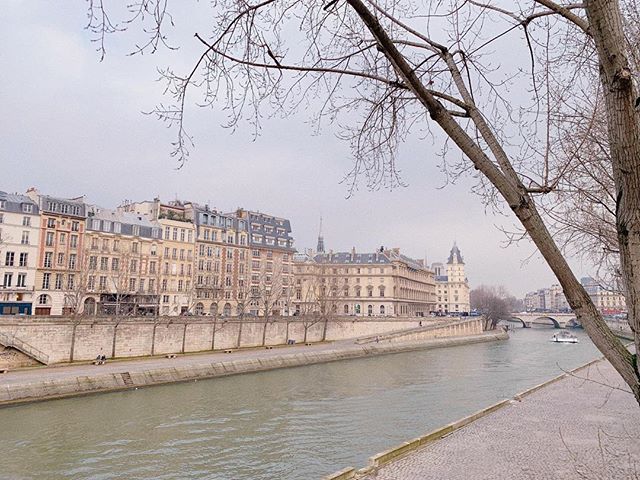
358 258
13 203
105 220
442 278
455 254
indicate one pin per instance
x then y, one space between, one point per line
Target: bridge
556 320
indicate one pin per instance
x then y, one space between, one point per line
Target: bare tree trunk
623 122
184 336
73 340
153 338
240 332
113 348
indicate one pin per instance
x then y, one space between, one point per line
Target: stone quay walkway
42 383
584 426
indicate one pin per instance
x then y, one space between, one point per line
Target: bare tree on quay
402 67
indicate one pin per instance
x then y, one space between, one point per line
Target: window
141 285
43 299
71 281
91 282
152 285
180 285
26 221
58 281
93 263
7 280
23 259
105 244
346 309
46 281
132 284
51 223
182 234
21 280
75 226
25 238
61 259
72 261
134 247
48 257
103 283
174 253
74 241
49 239
227 281
104 263
134 266
9 258
167 233
152 267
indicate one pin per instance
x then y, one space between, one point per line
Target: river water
298 423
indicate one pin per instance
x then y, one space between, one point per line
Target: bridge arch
555 322
516 320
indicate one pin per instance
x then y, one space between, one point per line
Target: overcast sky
72 125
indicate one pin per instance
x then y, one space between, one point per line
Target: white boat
564 337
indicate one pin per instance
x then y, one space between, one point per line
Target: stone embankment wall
67 340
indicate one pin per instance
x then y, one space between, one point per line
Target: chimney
353 254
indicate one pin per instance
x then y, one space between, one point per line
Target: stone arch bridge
557 320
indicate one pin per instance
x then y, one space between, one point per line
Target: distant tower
320 247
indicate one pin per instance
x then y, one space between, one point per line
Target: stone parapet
135 374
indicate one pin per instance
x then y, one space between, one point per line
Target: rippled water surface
299 423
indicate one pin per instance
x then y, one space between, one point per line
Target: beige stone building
121 262
382 283
452 284
177 254
608 299
270 288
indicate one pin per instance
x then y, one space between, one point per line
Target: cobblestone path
572 429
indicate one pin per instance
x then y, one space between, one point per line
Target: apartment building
60 246
121 262
19 239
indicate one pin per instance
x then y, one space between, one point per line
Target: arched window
369 310
213 309
381 309
346 309
227 309
90 306
357 309
199 308
381 288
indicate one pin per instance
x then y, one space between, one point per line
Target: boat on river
564 337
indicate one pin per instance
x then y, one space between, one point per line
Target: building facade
121 264
383 283
608 300
19 240
272 252
452 284
176 255
60 246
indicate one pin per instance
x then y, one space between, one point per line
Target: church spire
320 247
